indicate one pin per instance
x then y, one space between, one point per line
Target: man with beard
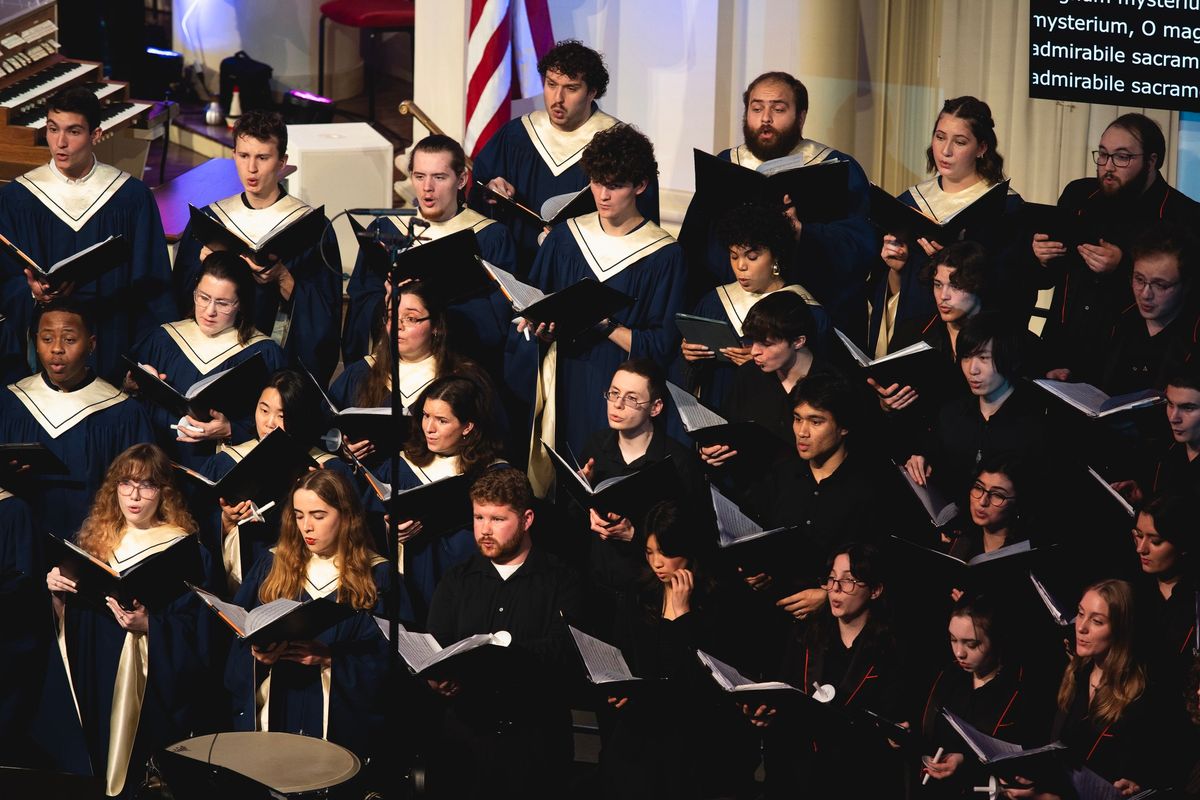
536 157
832 259
1092 280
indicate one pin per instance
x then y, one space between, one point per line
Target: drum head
286 762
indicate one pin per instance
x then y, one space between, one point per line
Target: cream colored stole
813 153
414 377
607 256
560 150
57 412
133 666
940 205
737 302
206 352
75 202
465 219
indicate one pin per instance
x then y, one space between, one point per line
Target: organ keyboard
32 70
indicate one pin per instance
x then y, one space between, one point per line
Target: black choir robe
23 595
1086 304
86 428
541 162
357 681
51 218
307 325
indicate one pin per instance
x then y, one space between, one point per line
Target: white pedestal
340 166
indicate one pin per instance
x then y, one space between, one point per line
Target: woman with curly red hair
133 677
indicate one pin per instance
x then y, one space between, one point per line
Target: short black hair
303 414
970 264
1146 131
263 126
756 225
1013 467
70 305
827 391
574 59
77 100
1185 376
782 315
621 154
649 369
799 90
991 326
1171 239
1176 519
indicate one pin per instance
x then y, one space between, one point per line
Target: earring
775 270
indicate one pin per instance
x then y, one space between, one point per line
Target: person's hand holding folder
542 331
217 429
135 621
717 454
43 293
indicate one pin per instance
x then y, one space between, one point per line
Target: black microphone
383 212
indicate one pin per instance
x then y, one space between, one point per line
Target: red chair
374 16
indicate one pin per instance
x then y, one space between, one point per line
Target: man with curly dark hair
618 246
301 290
833 259
537 157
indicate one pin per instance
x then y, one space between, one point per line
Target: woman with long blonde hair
1107 712
135 678
323 551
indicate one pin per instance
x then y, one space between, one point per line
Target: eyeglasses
1155 286
223 306
620 401
1120 159
998 499
846 585
144 488
411 322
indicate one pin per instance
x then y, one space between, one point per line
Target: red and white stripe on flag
496 28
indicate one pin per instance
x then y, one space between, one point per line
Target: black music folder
574 310
955 571
34 455
440 506
915 365
712 333
229 391
751 440
154 581
356 424
628 496
606 666
973 222
264 475
281 620
423 655
1060 224
82 267
285 244
819 192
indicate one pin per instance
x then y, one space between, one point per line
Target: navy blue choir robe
51 218
86 428
16 314
429 554
182 352
90 643
306 325
710 380
541 162
645 264
415 376
832 259
477 324
23 596
353 689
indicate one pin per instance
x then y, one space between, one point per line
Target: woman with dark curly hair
453 433
619 247
112 655
759 242
331 686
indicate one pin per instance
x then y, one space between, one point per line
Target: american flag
503 34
